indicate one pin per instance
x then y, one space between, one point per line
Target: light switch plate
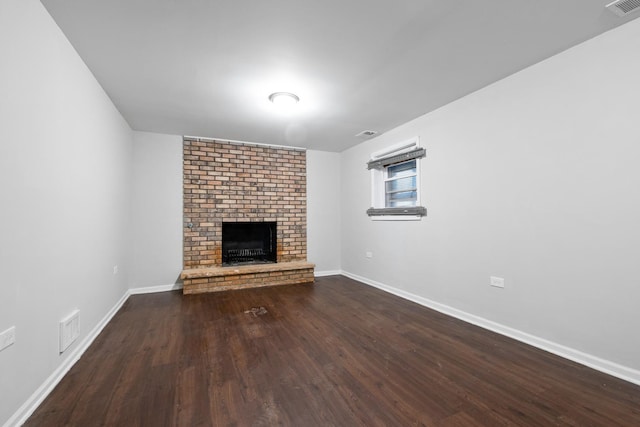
7 338
497 282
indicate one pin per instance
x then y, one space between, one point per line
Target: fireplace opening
249 243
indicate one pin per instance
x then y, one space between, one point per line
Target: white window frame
379 178
386 179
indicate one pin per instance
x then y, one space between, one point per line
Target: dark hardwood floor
337 353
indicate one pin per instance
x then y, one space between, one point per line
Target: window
395 181
400 186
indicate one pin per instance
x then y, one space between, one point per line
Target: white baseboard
28 407
327 273
602 365
154 289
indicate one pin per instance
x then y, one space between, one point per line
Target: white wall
323 211
65 168
157 210
534 179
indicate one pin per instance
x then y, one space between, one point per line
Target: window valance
416 153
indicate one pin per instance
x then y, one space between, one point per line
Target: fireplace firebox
249 243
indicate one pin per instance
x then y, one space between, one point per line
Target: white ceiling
206 67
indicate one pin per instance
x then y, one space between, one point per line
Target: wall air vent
368 133
624 7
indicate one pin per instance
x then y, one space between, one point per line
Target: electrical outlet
115 269
368 254
497 282
7 338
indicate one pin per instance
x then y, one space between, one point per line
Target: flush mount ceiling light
284 99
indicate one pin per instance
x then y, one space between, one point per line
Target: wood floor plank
336 353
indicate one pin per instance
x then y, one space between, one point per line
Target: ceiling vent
370 133
624 7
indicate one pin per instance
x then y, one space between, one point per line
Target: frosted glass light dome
284 99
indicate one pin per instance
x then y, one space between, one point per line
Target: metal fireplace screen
248 243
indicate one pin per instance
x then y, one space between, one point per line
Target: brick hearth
215 279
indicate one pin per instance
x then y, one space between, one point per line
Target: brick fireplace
228 182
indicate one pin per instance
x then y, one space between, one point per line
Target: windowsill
397 214
396 218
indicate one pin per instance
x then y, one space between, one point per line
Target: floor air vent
624 7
